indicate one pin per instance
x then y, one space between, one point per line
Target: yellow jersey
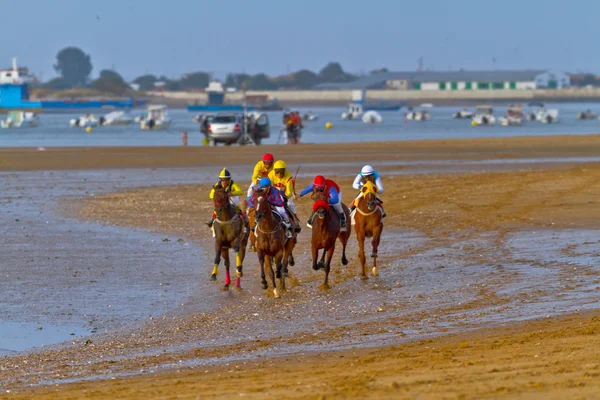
285 184
260 171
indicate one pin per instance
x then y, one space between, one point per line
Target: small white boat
309 116
547 116
514 116
355 111
115 118
20 119
463 114
372 117
419 115
156 118
84 121
484 115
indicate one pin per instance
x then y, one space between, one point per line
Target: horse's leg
238 259
321 263
225 255
269 268
315 255
328 265
279 259
261 261
213 277
375 244
360 237
344 236
252 236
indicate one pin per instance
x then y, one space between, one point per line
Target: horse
325 232
368 224
230 232
271 242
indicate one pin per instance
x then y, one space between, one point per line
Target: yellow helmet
224 174
279 164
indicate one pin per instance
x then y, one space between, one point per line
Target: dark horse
325 231
271 243
229 233
368 224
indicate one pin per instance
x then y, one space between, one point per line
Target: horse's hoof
364 277
374 255
344 261
264 285
278 274
225 288
292 262
238 273
213 277
238 288
285 273
275 293
325 286
375 272
320 265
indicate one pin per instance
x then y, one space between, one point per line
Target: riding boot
343 224
288 229
310 220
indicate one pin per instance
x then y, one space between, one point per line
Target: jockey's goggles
280 171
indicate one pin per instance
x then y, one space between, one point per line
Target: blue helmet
264 183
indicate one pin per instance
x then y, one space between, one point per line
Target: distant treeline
75 67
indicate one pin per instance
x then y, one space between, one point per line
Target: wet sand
470 250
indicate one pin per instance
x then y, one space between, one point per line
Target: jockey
225 182
261 170
334 198
282 179
367 173
276 199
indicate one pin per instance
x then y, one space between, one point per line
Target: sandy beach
488 285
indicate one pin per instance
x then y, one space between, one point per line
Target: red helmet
268 157
319 181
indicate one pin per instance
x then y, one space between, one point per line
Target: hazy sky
172 37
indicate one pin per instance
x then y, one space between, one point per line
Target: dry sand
556 357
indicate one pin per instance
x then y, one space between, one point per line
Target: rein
235 217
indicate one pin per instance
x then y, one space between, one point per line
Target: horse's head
369 192
321 205
262 206
221 199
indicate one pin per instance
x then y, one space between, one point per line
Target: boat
538 112
260 102
514 116
587 114
372 117
216 101
355 111
463 114
418 115
115 118
309 116
14 95
156 118
360 105
84 121
484 115
20 119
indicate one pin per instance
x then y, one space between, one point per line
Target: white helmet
367 170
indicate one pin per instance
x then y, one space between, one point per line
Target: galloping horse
271 243
368 223
325 231
229 233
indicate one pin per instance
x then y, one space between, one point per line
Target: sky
276 37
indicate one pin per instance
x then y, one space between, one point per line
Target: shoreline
449 209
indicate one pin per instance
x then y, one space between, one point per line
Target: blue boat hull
73 106
217 108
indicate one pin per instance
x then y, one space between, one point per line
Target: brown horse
270 242
325 231
289 244
368 224
229 233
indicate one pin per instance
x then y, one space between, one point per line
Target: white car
229 128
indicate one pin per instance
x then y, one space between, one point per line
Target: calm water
54 129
